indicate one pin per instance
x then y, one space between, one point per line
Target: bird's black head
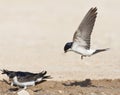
67 46
4 71
12 75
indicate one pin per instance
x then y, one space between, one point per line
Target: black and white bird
25 79
81 38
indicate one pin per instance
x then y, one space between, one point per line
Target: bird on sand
25 79
82 36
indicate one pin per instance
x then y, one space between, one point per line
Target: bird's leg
82 57
25 87
33 84
11 83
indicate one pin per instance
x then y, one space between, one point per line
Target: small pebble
23 92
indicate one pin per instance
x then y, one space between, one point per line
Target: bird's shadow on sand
85 83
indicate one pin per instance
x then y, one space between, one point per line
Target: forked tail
41 77
100 50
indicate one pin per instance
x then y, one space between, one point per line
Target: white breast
22 84
81 50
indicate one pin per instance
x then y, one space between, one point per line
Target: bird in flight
81 38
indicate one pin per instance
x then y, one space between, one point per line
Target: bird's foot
25 87
11 84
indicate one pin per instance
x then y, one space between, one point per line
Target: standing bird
24 79
81 38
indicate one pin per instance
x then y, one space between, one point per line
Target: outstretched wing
83 33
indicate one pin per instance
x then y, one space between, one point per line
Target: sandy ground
86 87
33 34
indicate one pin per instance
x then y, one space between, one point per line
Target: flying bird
81 38
25 79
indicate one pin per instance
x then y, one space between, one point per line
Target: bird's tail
100 50
42 77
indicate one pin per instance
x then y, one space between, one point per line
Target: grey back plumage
33 77
25 76
83 33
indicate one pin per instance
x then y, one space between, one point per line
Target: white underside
29 83
23 84
39 79
82 50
